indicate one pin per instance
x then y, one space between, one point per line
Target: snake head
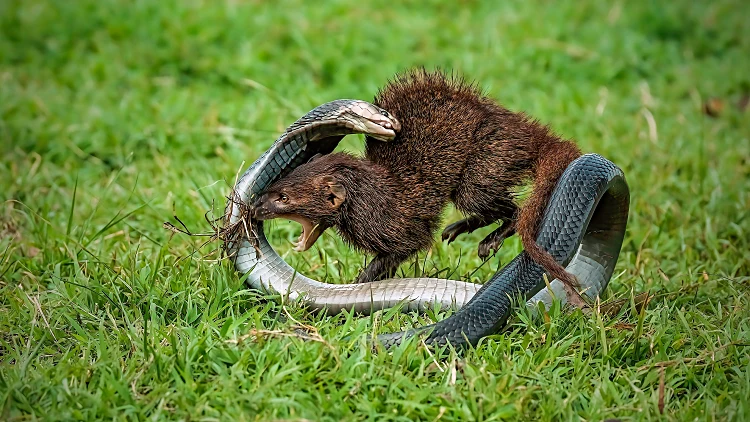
372 120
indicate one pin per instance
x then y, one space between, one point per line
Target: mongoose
362 200
455 144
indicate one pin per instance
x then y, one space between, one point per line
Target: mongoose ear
336 192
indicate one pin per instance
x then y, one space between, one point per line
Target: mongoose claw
486 248
455 229
494 241
363 277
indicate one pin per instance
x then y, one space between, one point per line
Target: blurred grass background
116 115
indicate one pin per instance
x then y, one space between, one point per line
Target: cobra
583 228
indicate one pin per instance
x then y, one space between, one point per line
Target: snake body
583 228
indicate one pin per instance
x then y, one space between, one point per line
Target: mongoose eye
283 198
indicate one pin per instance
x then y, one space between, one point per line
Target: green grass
116 115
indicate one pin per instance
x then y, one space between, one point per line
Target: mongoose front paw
368 276
363 277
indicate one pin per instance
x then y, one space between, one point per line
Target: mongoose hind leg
495 240
499 207
467 225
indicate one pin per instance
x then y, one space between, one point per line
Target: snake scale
583 228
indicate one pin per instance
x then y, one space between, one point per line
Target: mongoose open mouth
311 231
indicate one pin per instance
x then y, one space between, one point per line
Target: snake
583 229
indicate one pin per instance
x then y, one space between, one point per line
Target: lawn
115 116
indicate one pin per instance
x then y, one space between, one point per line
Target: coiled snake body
583 228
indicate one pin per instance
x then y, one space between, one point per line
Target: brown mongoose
369 208
455 144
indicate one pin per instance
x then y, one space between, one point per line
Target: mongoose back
455 144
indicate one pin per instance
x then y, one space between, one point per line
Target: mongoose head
311 195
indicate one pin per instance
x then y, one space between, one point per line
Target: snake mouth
311 231
381 130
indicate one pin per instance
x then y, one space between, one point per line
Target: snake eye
283 198
385 114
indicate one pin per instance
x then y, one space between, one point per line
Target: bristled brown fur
457 144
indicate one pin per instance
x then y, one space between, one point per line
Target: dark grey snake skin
583 228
